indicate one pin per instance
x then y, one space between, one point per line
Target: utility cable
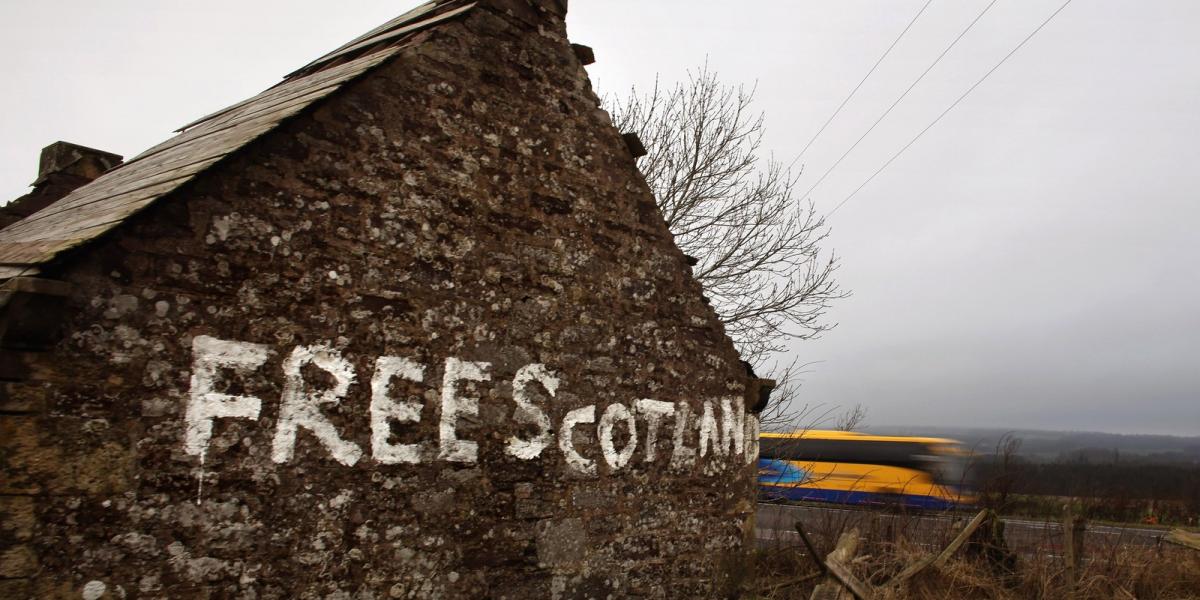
951 107
864 80
901 98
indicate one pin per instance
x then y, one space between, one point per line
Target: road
776 526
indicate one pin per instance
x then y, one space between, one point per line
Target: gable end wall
463 215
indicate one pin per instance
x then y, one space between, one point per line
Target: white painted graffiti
724 433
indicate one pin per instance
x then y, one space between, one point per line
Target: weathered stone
590 499
433 503
60 455
585 54
16 518
561 542
26 464
16 589
62 168
80 161
17 561
22 397
636 148
412 342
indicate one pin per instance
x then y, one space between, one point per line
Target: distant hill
1085 446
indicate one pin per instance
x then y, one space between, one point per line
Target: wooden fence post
841 580
1074 528
812 550
940 559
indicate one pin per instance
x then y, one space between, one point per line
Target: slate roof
102 205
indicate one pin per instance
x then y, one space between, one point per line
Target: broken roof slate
98 207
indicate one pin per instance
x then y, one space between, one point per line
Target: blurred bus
855 468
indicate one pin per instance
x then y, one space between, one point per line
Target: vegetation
1129 491
1082 486
784 568
758 246
1143 573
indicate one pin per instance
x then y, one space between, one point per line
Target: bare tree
1006 472
758 246
785 411
853 419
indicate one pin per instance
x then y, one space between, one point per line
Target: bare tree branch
853 419
759 247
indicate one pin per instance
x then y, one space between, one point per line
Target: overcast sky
1033 261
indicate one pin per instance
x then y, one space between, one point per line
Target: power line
951 107
864 80
901 98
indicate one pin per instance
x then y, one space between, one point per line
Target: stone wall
429 339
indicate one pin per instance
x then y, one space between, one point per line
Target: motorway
775 525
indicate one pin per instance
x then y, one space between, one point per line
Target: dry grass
1132 572
1118 571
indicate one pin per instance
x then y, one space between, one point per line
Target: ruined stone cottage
405 325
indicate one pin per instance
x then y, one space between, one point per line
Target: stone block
16 518
31 313
23 461
22 397
561 542
81 161
18 561
34 458
16 589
